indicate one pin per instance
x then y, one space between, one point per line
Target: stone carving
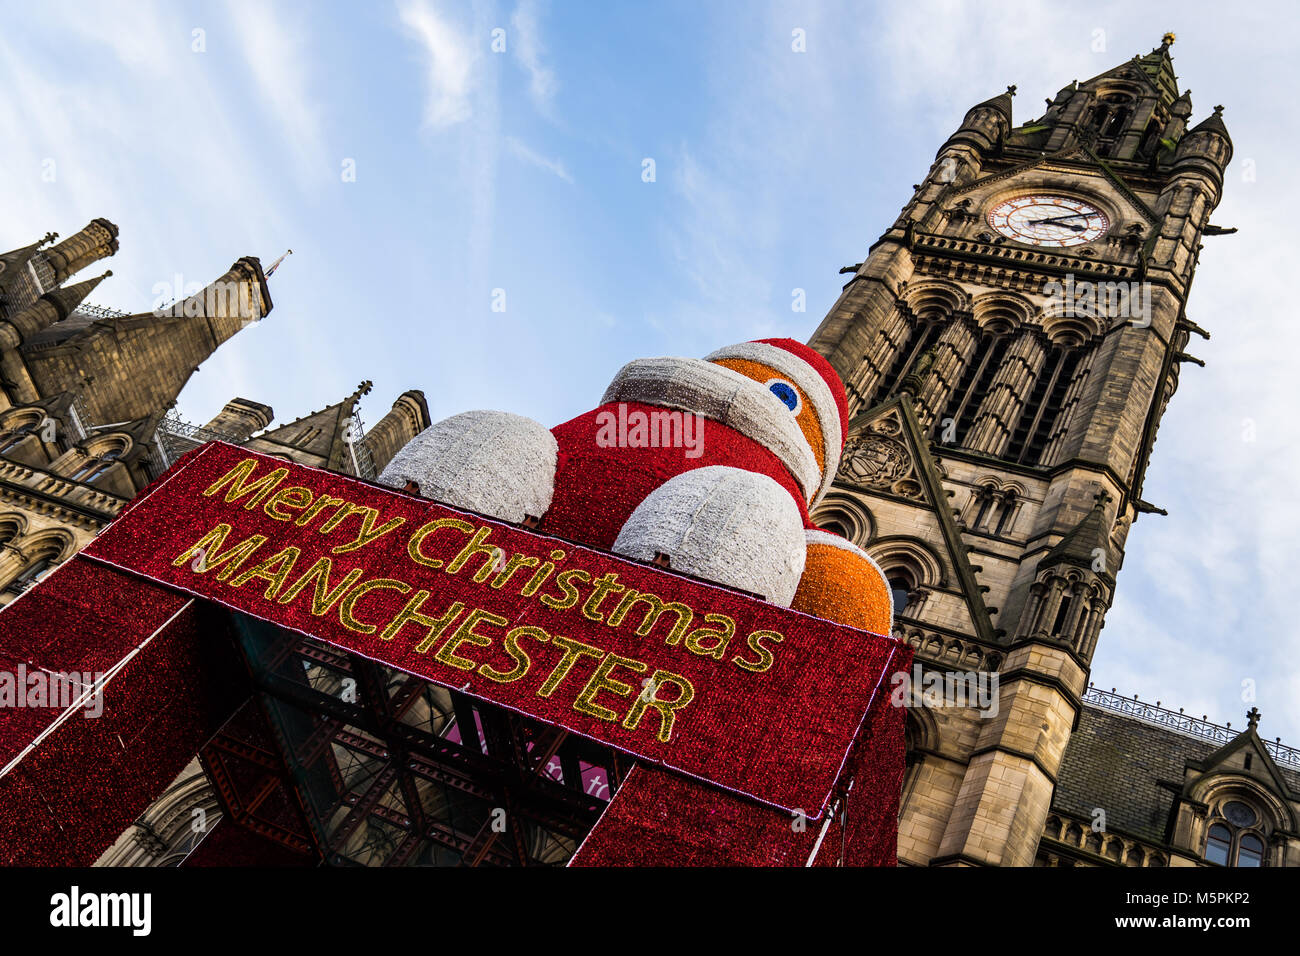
875 460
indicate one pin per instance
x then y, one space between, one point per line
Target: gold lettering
237 479
291 497
721 637
413 548
493 554
544 572
210 543
434 625
656 607
349 603
755 642
517 654
318 575
285 559
465 635
572 651
600 680
368 531
605 584
319 505
568 591
516 562
666 708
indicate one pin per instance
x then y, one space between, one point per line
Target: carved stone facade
1007 372
87 419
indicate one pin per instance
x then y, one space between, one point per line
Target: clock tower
1009 347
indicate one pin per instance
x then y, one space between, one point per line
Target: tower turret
1073 586
985 125
53 306
240 419
140 363
1206 146
407 418
96 241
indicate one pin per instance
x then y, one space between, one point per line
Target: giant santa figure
731 507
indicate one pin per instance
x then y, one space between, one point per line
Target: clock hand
1076 215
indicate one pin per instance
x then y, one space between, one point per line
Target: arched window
1218 845
96 466
16 437
1250 851
899 589
32 573
974 383
835 527
1008 506
1062 614
1233 839
920 338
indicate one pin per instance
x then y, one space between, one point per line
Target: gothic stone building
87 419
1004 413
1007 375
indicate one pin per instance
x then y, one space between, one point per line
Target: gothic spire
52 307
141 362
1087 544
323 437
97 240
1159 66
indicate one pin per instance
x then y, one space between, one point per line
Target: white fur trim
810 382
817 536
723 395
498 464
735 527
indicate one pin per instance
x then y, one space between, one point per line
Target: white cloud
527 44
449 61
278 62
553 166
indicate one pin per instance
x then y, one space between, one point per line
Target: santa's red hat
815 377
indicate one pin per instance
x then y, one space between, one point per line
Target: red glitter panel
622 477
74 777
229 844
659 819
752 697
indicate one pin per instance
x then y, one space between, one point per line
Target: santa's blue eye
785 391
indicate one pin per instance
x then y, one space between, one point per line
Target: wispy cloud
536 159
530 50
449 62
278 64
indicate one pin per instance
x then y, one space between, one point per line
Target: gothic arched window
1233 839
1250 850
32 573
96 467
899 589
973 384
835 527
985 498
1218 845
1008 506
921 337
16 437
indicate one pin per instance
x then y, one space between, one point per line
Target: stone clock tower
1009 348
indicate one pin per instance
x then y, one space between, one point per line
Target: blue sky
522 171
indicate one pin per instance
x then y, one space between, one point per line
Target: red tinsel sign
750 696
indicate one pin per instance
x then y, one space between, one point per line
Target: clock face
1047 220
